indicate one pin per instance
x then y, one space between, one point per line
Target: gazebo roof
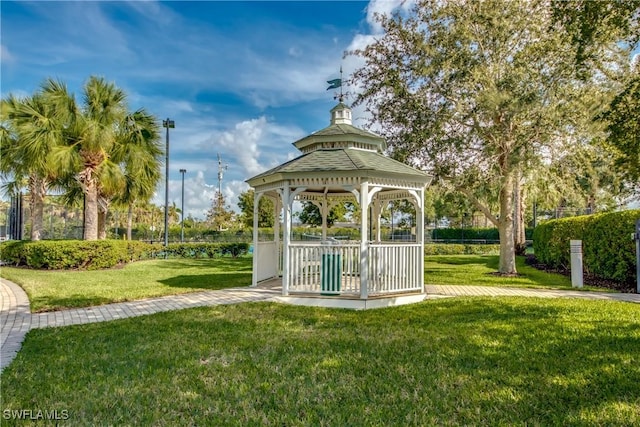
343 162
341 150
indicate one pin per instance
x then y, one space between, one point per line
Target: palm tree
95 152
140 154
30 132
91 132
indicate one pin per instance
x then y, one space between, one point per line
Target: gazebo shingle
341 160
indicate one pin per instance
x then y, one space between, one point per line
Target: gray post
637 236
182 171
576 263
169 124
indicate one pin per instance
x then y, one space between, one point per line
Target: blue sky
240 79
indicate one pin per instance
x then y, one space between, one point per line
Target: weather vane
335 84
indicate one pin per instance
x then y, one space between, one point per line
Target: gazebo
339 164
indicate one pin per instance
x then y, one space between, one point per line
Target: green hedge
471 233
72 254
93 255
608 250
456 249
205 250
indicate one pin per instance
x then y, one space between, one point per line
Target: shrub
206 250
71 254
608 250
471 233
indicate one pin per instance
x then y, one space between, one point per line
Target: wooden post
364 240
256 202
286 237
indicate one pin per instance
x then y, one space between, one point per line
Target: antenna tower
221 169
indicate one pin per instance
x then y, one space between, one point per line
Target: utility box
576 263
331 273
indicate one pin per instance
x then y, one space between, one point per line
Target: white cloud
294 51
249 146
179 106
6 55
242 142
198 195
385 7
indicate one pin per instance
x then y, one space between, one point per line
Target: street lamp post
169 124
182 171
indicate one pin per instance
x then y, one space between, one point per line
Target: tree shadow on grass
490 261
213 281
47 303
226 263
483 270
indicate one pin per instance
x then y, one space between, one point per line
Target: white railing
324 268
335 268
395 268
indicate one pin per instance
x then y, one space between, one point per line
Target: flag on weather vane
334 84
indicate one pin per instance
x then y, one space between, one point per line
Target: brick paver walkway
16 319
458 291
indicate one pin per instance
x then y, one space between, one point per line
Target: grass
478 269
55 290
463 361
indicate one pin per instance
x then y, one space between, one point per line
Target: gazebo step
352 302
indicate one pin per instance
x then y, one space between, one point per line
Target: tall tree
265 210
623 126
139 154
220 214
474 92
310 214
593 25
91 137
30 133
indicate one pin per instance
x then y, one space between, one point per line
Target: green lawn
463 361
478 269
55 290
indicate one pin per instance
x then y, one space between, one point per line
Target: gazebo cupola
341 134
338 164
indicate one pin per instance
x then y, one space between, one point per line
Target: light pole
169 124
182 171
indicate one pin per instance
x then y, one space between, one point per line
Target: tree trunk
129 220
91 211
36 206
102 224
519 216
521 237
103 211
505 227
